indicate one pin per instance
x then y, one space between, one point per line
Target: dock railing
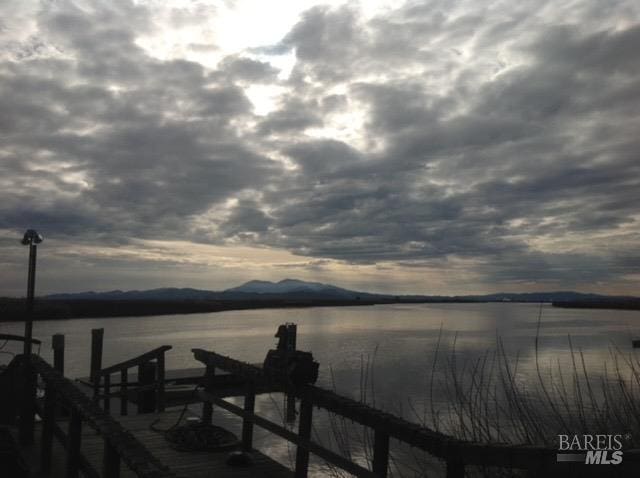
149 389
457 454
119 444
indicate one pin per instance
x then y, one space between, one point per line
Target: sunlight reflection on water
398 339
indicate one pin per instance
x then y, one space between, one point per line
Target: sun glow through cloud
446 147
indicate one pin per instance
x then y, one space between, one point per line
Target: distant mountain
285 289
167 293
292 289
296 287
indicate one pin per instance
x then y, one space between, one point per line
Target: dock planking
205 464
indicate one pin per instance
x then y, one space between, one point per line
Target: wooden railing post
207 406
290 348
160 399
48 423
97 336
124 397
73 445
455 469
106 403
57 344
110 462
146 378
28 403
247 423
380 453
304 432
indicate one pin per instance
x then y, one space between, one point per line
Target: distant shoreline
13 310
629 304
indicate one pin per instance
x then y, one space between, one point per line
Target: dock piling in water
57 344
97 337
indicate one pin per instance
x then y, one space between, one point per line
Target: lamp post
32 239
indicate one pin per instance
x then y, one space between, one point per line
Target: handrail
134 362
148 379
19 338
119 442
457 453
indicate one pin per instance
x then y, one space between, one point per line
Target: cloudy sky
432 146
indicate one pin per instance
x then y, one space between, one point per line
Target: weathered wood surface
183 464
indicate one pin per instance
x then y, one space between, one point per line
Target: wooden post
290 408
48 423
124 397
57 344
304 432
290 400
146 378
207 407
160 399
106 402
381 453
110 461
97 336
247 424
27 406
31 287
73 448
455 469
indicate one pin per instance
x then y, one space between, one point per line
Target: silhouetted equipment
293 365
31 238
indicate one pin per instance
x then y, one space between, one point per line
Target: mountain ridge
294 288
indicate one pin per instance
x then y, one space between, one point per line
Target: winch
294 366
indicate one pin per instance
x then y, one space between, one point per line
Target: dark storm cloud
489 133
478 158
110 140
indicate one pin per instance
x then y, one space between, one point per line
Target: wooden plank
73 446
313 447
49 416
18 338
437 444
247 425
97 336
28 404
455 469
106 403
57 344
132 452
124 400
200 464
146 399
304 432
160 377
110 462
381 453
145 357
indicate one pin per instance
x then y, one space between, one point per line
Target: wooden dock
93 428
191 464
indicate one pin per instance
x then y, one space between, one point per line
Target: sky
432 146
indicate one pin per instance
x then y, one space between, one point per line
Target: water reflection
395 342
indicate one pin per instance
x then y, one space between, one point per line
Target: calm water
397 341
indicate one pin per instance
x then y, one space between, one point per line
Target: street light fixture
32 239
